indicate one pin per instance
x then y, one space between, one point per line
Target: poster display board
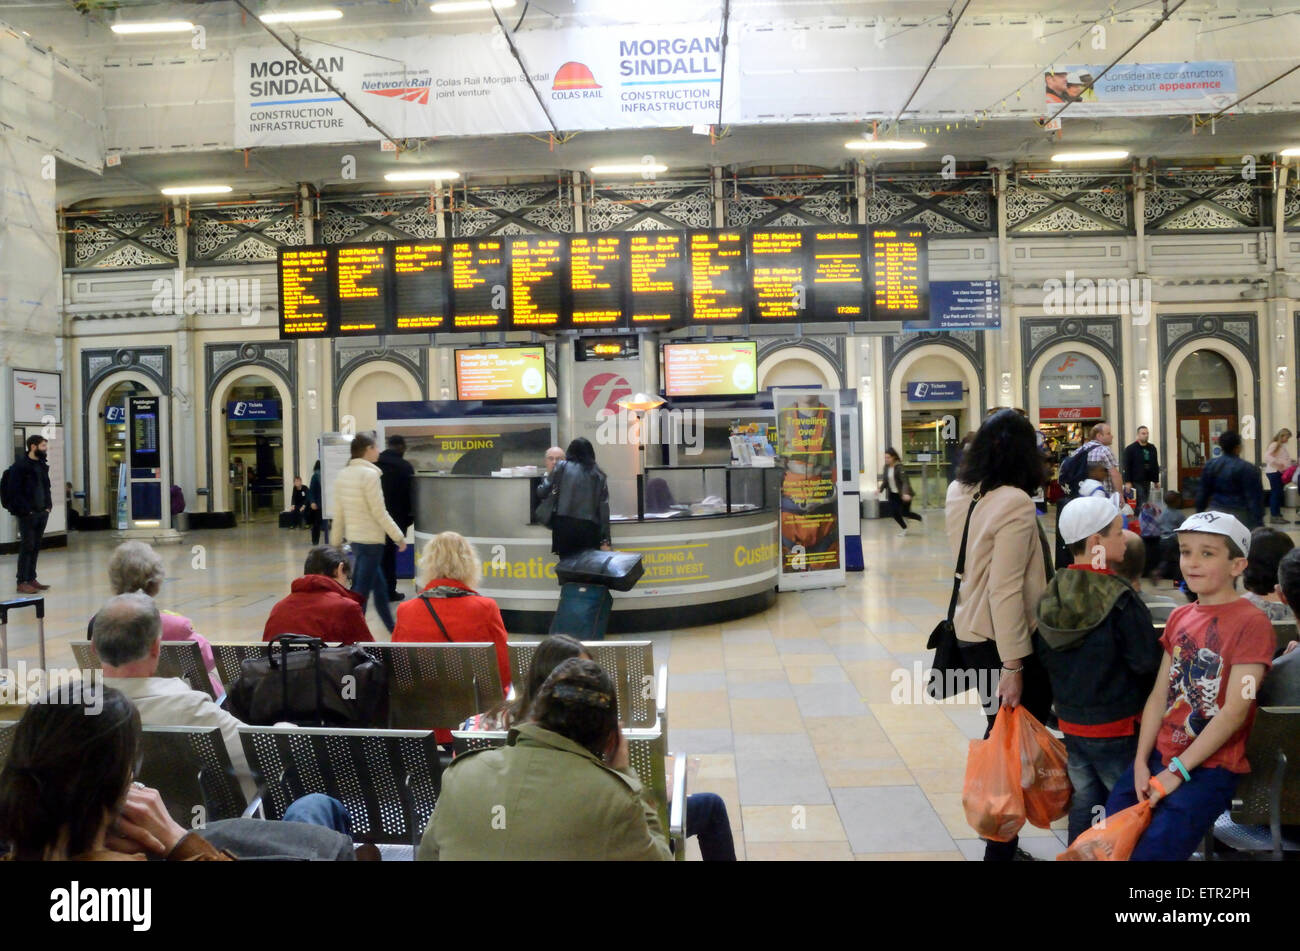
334 451
36 396
807 432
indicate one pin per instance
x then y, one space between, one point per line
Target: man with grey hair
553 455
126 633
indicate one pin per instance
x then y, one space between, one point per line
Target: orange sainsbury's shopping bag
991 795
1112 841
1044 780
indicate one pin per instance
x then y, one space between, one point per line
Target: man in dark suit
1141 465
398 481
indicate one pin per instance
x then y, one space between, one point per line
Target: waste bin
870 507
1291 496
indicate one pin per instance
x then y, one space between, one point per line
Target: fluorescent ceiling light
891 145
159 26
1093 155
425 175
467 6
630 168
197 190
301 16
1294 150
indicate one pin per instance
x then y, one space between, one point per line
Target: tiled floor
804 719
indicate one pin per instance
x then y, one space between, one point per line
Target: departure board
361 289
900 274
778 282
478 284
656 282
419 287
537 274
836 275
718 277
596 281
304 292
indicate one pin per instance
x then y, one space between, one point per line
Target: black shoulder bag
545 513
442 627
949 674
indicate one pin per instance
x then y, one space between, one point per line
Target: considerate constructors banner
470 84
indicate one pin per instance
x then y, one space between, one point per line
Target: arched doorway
791 371
371 384
1205 406
106 438
251 454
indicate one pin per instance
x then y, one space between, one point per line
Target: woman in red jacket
448 608
321 604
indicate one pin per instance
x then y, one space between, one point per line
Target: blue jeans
1274 494
1180 822
706 819
317 809
368 576
1095 766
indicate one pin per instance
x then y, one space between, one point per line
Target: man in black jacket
398 481
30 476
1141 466
1231 484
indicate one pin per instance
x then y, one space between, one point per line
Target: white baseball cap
1217 523
1086 516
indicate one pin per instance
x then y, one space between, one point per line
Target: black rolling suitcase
583 611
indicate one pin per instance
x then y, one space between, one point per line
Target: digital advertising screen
479 289
537 276
506 373
837 278
304 292
900 274
718 277
143 431
719 368
419 286
361 292
777 275
656 284
596 283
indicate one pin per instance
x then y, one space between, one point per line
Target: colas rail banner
631 76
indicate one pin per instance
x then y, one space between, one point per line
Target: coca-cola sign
1070 381
1070 412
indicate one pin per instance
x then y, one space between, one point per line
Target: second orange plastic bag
1112 842
991 794
1043 775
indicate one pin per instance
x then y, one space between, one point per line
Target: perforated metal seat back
190 767
438 685
1276 730
630 664
230 656
6 740
181 659
388 780
1286 632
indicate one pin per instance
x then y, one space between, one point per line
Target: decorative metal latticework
1291 205
1214 200
650 206
1068 203
789 203
244 233
512 209
121 238
388 218
956 206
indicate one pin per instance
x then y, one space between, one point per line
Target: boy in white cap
1101 653
1192 745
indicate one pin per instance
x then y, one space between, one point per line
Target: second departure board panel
361 294
900 274
304 292
479 290
836 274
596 281
718 277
537 271
778 282
656 281
419 287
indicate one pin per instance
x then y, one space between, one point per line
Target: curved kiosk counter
712 558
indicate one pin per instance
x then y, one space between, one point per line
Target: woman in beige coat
361 519
1006 570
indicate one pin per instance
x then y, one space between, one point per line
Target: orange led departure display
536 281
596 284
304 292
900 274
836 275
479 290
656 281
419 287
778 282
361 289
718 277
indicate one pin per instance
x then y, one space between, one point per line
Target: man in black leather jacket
398 482
1231 484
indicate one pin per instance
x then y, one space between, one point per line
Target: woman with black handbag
993 531
575 502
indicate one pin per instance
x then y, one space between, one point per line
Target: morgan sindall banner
1142 89
596 78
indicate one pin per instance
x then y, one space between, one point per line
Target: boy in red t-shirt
1192 745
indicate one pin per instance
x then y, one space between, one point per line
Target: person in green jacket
562 787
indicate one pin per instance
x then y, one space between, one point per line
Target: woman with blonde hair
1277 459
447 607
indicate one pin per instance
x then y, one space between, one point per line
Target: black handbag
309 684
545 513
950 673
617 570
